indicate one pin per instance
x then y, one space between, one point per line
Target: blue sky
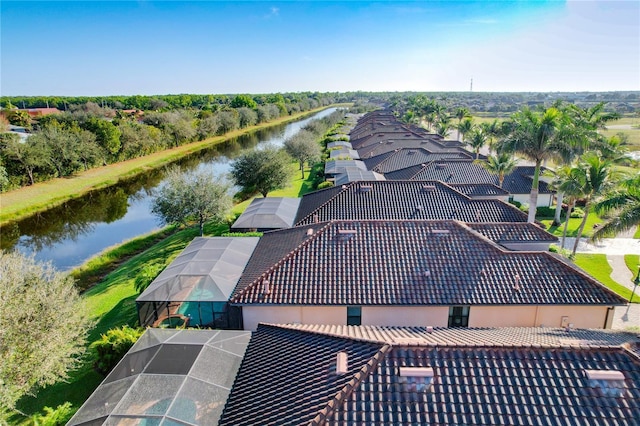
159 47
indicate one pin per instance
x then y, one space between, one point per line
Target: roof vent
610 382
316 218
266 289
440 231
441 166
366 188
426 273
429 329
429 188
516 282
411 152
347 232
419 208
342 363
417 379
309 232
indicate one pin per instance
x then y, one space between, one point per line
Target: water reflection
70 234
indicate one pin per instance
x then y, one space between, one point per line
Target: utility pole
471 87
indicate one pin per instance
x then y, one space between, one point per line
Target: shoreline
30 200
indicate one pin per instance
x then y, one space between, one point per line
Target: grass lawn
597 266
637 234
633 262
31 199
574 224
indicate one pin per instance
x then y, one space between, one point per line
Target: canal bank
30 200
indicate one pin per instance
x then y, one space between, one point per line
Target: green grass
633 262
574 224
112 304
637 234
597 266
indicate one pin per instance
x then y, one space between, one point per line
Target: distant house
39 112
404 273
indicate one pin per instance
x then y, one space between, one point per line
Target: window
458 316
354 315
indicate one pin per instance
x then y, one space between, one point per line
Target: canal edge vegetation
27 201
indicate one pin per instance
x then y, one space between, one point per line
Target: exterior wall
436 316
544 200
331 315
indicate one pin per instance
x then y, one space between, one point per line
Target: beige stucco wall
544 200
532 316
436 316
502 316
332 315
579 316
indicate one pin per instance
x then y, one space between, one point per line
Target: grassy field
574 224
31 199
597 266
633 263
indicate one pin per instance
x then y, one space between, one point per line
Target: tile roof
479 189
518 182
406 157
376 149
412 263
288 377
402 200
513 232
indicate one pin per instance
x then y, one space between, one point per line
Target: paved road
626 317
609 246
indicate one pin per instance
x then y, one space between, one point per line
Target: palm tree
460 114
596 174
491 130
465 127
570 181
539 136
625 203
501 165
443 127
478 140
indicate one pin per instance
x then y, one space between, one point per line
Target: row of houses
391 301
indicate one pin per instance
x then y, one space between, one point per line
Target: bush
325 184
577 212
545 212
146 276
113 345
54 416
515 203
556 249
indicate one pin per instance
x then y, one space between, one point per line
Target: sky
99 48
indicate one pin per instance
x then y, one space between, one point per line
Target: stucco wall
579 316
436 316
332 315
502 316
544 200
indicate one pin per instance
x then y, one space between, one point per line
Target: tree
500 165
595 175
243 101
303 146
198 196
477 141
569 181
247 117
461 113
261 170
624 204
539 136
465 127
31 156
43 326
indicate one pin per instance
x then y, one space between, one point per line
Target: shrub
325 184
515 203
545 212
54 416
146 276
242 234
577 212
113 345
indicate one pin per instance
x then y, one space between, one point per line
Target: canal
70 234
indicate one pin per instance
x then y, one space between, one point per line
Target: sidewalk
609 246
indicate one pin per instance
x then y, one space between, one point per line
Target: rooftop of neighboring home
379 375
268 213
477 190
352 174
406 262
402 200
453 171
335 167
344 153
401 158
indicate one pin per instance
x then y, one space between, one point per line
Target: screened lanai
169 377
194 289
267 214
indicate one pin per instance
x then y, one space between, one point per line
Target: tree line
89 135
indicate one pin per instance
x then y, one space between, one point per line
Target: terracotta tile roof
518 182
288 377
512 232
402 200
374 150
406 157
412 263
479 189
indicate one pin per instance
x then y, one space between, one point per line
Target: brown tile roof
402 200
479 189
404 157
411 263
501 376
513 232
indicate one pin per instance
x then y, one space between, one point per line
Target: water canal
70 234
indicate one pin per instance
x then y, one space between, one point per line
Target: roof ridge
281 261
328 410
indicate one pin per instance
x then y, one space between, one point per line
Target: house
413 273
335 167
354 175
320 374
267 214
329 375
517 183
402 200
401 158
